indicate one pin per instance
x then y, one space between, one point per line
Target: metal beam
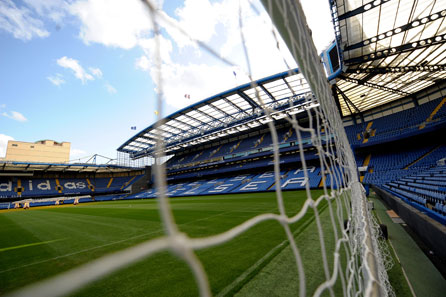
267 93
361 9
403 69
288 85
138 149
347 101
221 110
208 115
173 127
49 166
194 119
129 151
184 123
162 130
146 137
248 99
148 144
374 86
415 23
234 105
408 47
336 98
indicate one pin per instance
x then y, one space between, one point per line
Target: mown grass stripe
238 283
28 245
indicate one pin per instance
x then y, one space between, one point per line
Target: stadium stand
394 152
400 153
406 123
16 187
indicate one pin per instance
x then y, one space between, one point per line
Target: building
47 151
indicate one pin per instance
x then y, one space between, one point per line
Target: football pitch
42 242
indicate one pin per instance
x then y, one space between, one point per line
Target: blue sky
83 70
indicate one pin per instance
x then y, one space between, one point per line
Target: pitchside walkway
424 278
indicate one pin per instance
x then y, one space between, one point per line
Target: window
14 144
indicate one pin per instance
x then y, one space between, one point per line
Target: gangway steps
365 164
369 125
422 157
433 113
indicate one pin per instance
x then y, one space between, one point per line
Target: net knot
283 219
179 244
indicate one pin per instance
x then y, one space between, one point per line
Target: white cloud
110 88
56 10
4 144
112 22
143 63
78 70
197 80
149 47
15 115
202 80
96 72
127 24
198 18
56 80
20 22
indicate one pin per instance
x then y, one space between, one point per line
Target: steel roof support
234 105
184 123
146 137
408 47
415 23
268 93
208 115
48 167
173 127
288 85
164 131
132 146
194 119
336 98
402 69
349 102
248 99
361 9
145 143
374 86
220 110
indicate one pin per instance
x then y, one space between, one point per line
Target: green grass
39 243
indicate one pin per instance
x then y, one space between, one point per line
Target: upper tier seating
396 125
252 144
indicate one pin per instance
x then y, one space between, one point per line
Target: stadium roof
230 112
6 167
390 49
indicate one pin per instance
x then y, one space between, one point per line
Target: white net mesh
358 264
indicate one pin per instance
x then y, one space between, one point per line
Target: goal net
355 261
